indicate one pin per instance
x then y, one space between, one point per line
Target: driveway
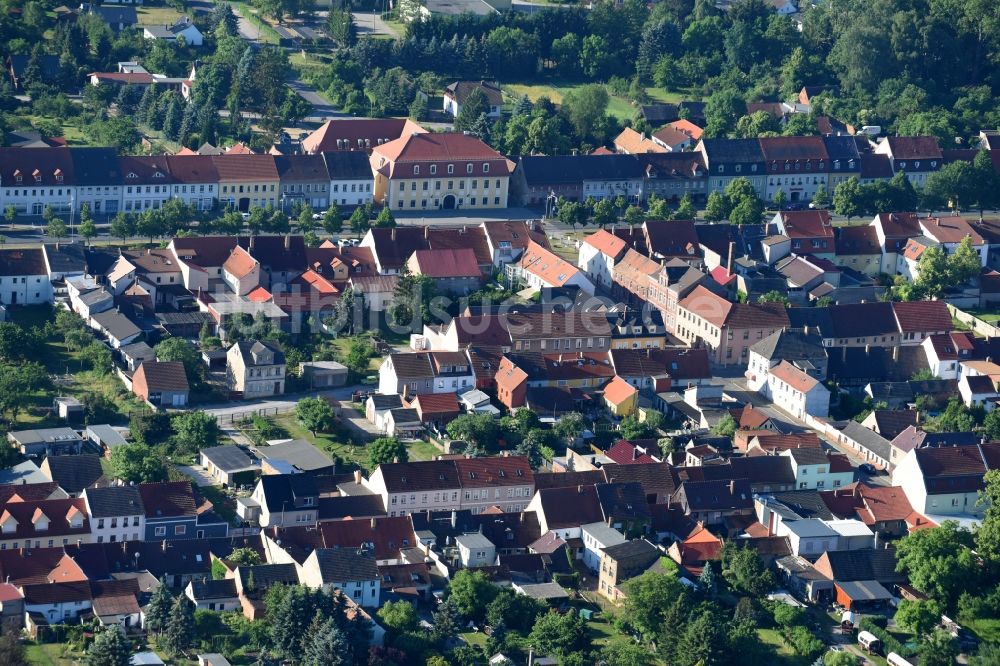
198 474
370 23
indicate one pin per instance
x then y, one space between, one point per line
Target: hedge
889 642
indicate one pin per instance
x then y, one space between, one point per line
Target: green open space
162 15
784 655
337 443
618 107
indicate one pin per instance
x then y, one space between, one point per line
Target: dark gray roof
74 473
251 350
348 165
867 439
808 456
282 489
106 435
95 296
622 500
115 15
228 458
204 590
298 453
800 504
546 169
735 151
266 575
65 257
138 350
350 506
114 501
640 548
854 565
790 346
116 324
344 565
390 401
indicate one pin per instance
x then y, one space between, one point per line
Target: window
468 168
451 169
159 531
434 169
416 169
180 529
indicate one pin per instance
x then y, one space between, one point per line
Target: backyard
618 107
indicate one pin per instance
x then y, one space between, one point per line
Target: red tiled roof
494 471
170 499
452 263
922 316
625 452
913 147
547 265
435 403
163 375
950 229
345 133
808 224
450 148
242 168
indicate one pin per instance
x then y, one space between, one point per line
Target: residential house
804 351
796 165
293 456
353 572
350 177
712 502
439 171
725 328
661 369
672 175
946 351
57 603
305 179
116 514
810 231
195 180
161 383
24 276
508 239
74 473
894 231
621 398
599 252
183 29
425 372
44 523
597 537
870 446
213 595
631 142
117 18
728 159
621 562
246 181
455 272
171 512
285 500
915 156
116 328
796 392
540 180
540 268
946 480
456 94
858 248
255 369
817 469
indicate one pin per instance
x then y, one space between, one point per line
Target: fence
975 323
237 417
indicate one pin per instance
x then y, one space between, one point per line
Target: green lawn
157 15
987 629
48 655
784 655
421 450
336 444
618 107
990 317
474 638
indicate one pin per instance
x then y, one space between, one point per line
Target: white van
869 641
895 660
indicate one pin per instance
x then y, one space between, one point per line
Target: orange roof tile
634 143
794 377
606 242
618 391
688 128
548 266
259 295
240 263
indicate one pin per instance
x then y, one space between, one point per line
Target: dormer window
468 168
451 169
40 521
836 165
739 167
38 175
850 164
902 165
486 167
416 169
933 164
8 524
59 175
132 176
157 175
916 165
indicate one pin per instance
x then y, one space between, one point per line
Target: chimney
357 476
252 240
288 242
729 261
392 234
373 522
454 519
579 490
427 232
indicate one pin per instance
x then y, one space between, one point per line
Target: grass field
783 653
47 655
336 444
157 15
618 107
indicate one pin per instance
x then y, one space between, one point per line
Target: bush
804 642
889 642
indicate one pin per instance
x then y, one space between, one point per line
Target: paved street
370 23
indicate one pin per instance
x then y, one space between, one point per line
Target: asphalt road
370 23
